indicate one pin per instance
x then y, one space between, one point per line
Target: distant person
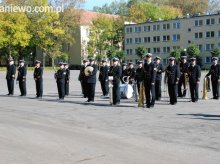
60 79
10 76
215 77
67 81
38 77
103 77
21 78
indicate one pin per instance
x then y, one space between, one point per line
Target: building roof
86 17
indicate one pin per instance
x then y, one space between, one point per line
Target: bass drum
126 91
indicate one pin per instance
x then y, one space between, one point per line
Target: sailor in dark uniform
21 78
149 78
139 74
159 71
82 78
172 78
10 76
91 81
194 73
67 81
60 79
116 72
215 77
103 77
183 77
38 77
131 72
124 72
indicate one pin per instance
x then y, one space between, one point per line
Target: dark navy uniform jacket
173 74
22 72
92 77
214 72
61 75
38 73
194 73
149 72
103 74
11 70
116 72
159 71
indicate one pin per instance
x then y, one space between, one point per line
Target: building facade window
137 29
156 39
156 50
218 45
176 37
210 34
198 35
200 47
146 39
156 27
176 47
137 40
198 22
166 49
166 38
148 50
166 26
128 41
146 28
129 51
128 29
176 25
209 47
207 59
210 21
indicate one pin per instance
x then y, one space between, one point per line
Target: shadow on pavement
203 116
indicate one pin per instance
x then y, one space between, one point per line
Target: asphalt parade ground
48 131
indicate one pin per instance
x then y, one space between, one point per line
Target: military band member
194 73
82 78
215 77
67 80
60 79
159 71
91 81
172 78
38 77
149 78
116 72
103 77
139 74
124 72
21 78
183 77
130 72
10 76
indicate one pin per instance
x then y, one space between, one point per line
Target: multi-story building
162 37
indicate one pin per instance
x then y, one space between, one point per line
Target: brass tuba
88 70
205 87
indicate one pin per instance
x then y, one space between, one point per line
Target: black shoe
152 105
148 106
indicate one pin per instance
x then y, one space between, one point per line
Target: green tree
215 52
140 52
120 54
176 53
192 50
111 52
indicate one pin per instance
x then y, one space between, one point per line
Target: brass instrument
110 78
205 86
88 70
141 95
186 78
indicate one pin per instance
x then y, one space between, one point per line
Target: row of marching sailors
62 78
186 74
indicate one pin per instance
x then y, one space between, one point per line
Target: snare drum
126 91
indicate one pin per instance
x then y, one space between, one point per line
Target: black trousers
149 93
182 82
158 89
116 92
84 88
215 88
61 89
10 84
67 86
105 87
91 91
22 87
39 87
172 93
194 91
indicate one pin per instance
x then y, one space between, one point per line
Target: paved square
47 131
